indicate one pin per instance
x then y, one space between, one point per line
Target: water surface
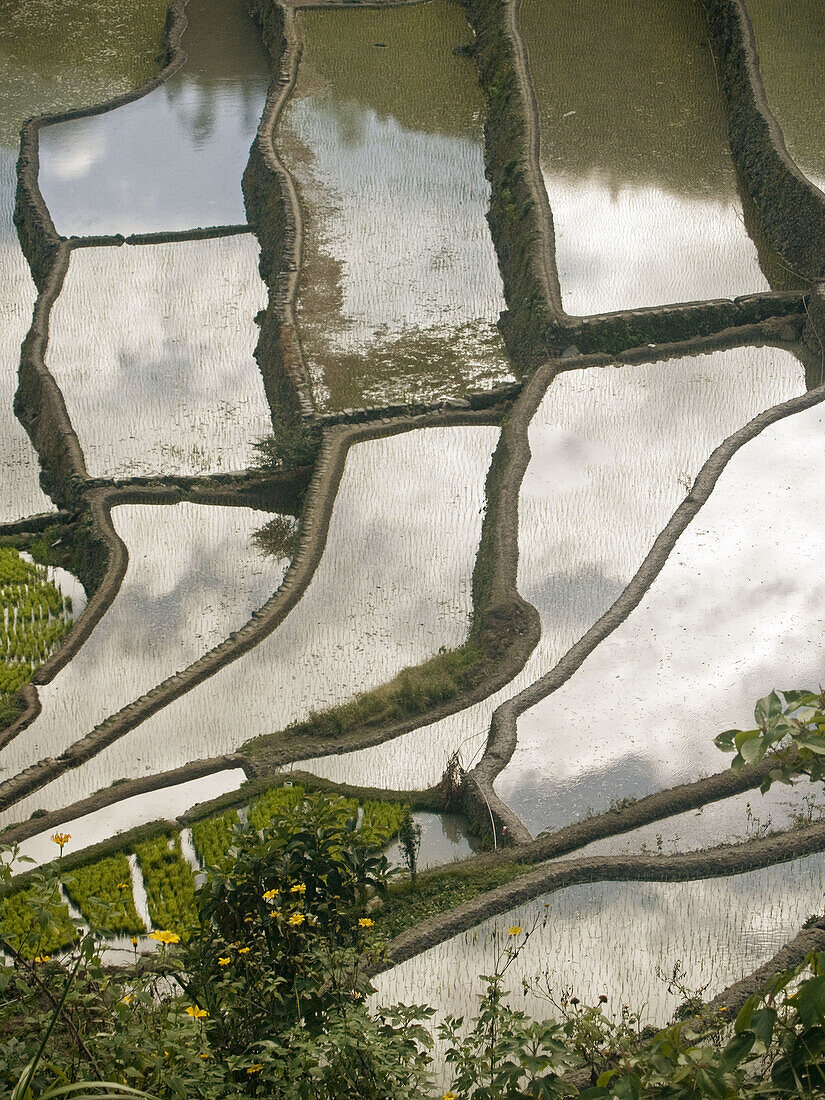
173 159
393 587
152 348
194 575
609 938
738 609
400 290
634 155
614 450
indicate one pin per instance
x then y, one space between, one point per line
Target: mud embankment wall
274 214
790 208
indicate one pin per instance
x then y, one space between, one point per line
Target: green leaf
724 741
809 1001
737 1049
762 1025
743 1020
754 750
815 742
767 710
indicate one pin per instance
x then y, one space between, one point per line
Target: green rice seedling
381 821
102 891
274 803
213 836
21 927
170 883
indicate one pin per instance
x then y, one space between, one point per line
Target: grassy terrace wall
791 209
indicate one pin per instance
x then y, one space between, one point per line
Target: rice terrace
411 476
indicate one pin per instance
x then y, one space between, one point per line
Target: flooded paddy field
735 820
614 451
790 39
609 938
152 348
174 158
400 291
393 587
168 802
634 155
194 575
735 612
52 58
399 297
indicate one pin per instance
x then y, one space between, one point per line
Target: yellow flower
365 922
121 886
42 958
515 930
134 941
258 1066
244 950
61 840
165 937
298 888
270 895
224 960
127 999
450 1096
205 1055
196 1013
297 919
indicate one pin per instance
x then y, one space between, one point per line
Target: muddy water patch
738 608
400 290
194 575
634 155
609 938
152 348
393 587
444 839
790 40
173 159
614 450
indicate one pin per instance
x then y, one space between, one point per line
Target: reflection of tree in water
627 92
224 51
398 63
